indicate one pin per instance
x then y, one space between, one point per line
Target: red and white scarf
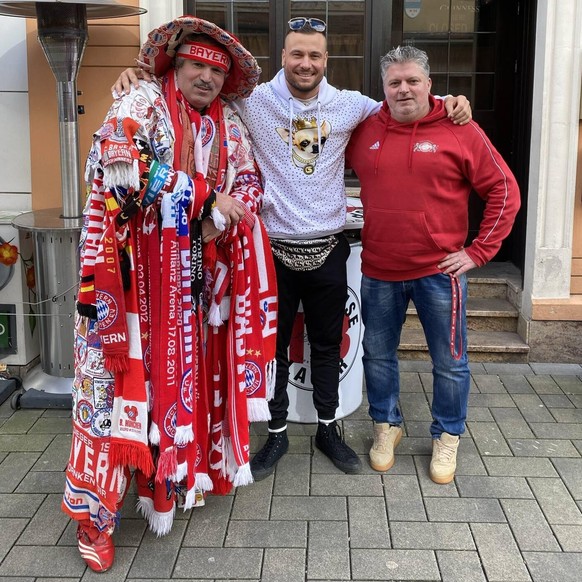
180 415
244 294
119 332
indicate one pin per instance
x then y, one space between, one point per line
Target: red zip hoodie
416 179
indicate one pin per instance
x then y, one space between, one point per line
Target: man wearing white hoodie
299 127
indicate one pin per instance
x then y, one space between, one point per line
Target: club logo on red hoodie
425 147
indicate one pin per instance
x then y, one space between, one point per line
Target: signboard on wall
440 16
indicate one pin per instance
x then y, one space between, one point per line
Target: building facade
519 62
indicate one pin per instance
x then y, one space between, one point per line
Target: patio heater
62 33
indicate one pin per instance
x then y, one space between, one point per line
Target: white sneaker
386 438
444 458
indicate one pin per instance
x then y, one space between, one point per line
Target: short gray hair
404 54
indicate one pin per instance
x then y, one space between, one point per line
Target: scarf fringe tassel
181 472
214 317
237 475
124 454
243 475
184 435
167 464
154 435
159 523
122 174
258 410
204 482
116 362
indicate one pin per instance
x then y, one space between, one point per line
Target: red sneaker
96 547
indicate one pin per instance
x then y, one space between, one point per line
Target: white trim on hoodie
302 203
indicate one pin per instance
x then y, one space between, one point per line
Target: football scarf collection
157 391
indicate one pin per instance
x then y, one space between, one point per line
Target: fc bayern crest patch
186 390
170 421
253 377
107 309
207 130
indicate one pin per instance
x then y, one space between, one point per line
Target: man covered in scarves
171 236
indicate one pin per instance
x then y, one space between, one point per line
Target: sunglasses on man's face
301 22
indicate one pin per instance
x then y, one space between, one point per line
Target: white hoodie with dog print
300 149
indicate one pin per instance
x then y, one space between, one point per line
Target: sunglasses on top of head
301 22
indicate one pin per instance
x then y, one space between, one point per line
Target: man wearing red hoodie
417 170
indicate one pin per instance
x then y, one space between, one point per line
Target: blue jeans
384 305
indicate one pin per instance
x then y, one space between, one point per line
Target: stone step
502 280
479 287
483 314
484 346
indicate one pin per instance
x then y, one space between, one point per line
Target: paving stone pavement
512 514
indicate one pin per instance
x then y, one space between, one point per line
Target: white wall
15 171
158 12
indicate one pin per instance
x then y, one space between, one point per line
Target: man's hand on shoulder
458 109
129 78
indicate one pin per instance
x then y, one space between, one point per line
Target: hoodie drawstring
411 145
291 113
319 127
